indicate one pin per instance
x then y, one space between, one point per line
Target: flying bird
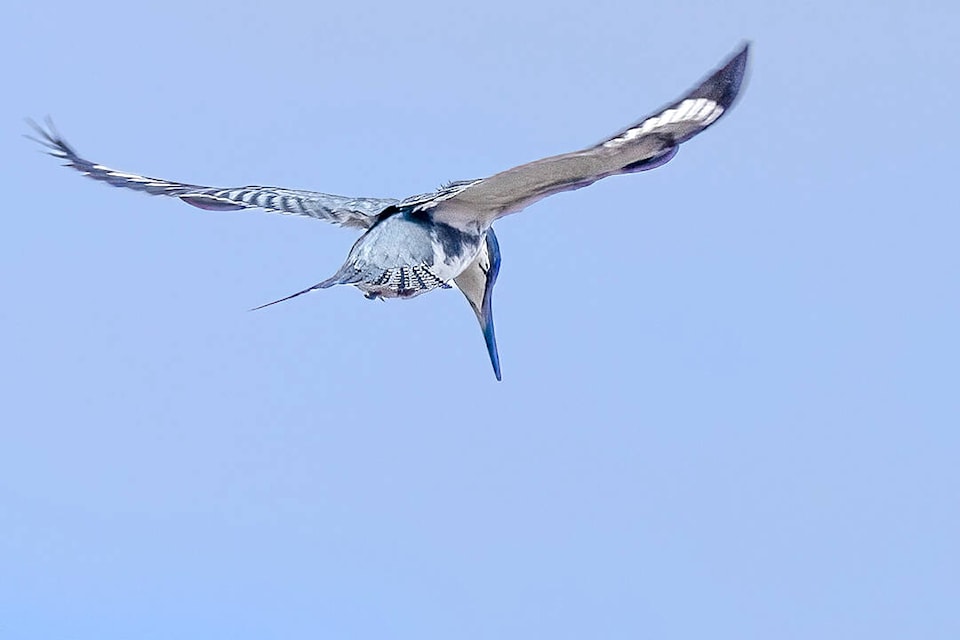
445 238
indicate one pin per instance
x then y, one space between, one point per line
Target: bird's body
406 254
445 238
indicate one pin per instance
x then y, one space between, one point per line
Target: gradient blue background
730 403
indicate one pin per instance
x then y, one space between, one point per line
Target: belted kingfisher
433 240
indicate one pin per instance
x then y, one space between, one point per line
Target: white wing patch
699 110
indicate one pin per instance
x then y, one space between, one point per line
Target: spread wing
349 212
648 143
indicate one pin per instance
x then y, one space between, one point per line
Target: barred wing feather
341 210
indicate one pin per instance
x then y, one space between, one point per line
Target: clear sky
730 405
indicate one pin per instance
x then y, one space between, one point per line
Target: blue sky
730 405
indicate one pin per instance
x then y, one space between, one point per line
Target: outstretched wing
644 145
349 212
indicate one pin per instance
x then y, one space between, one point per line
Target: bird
445 238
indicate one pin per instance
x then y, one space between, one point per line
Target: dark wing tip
723 85
48 137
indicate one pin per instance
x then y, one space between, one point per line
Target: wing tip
724 84
49 138
736 70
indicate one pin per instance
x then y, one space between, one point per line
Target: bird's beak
476 282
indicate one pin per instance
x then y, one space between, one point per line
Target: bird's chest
453 251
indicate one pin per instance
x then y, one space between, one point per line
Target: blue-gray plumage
445 238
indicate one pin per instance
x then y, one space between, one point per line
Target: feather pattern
348 212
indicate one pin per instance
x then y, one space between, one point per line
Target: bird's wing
476 283
646 144
349 212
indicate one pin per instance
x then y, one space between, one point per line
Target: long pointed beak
486 324
476 283
486 309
